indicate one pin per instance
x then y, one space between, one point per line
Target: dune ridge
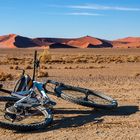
17 41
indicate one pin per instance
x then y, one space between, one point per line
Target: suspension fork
41 89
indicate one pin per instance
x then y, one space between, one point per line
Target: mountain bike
29 107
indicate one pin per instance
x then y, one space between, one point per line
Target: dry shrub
5 76
57 59
63 59
43 67
80 60
132 59
137 75
103 67
68 67
91 67
29 62
11 67
77 67
49 62
17 61
90 75
28 67
83 67
45 56
43 74
16 68
50 67
14 59
67 59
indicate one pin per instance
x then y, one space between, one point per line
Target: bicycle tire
5 91
99 100
25 127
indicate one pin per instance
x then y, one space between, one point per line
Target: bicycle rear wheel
35 118
86 97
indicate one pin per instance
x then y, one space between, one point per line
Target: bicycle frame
29 98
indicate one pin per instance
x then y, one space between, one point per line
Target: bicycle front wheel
86 97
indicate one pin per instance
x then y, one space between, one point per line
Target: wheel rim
32 116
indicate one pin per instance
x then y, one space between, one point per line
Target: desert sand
115 72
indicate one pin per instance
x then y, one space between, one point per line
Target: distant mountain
17 41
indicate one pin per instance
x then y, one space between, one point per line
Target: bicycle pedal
52 103
49 104
10 117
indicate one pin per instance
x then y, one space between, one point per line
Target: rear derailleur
14 114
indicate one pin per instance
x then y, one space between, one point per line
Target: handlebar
53 82
4 90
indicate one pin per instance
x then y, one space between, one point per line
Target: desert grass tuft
137 75
43 74
5 76
45 56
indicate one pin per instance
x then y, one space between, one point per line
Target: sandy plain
116 72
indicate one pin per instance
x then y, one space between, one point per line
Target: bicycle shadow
84 117
94 116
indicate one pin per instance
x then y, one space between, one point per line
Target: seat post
35 65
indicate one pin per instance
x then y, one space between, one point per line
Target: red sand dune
130 39
89 42
83 42
16 41
7 41
129 42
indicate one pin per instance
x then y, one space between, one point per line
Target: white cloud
97 7
75 14
83 14
101 7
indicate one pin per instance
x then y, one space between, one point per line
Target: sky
107 19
